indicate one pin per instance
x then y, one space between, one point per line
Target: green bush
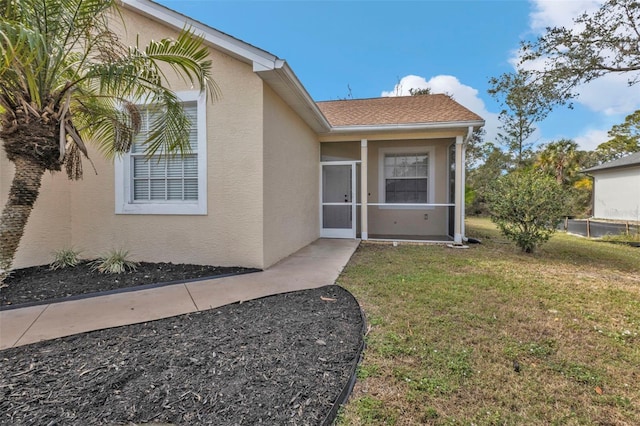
527 207
114 262
65 258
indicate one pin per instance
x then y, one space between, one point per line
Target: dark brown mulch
279 360
39 283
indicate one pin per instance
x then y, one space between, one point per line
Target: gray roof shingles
628 161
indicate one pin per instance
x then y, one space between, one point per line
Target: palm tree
560 159
66 80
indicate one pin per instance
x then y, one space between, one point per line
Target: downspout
464 179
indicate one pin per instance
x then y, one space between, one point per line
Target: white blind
165 179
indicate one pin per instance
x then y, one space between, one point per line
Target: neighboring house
271 171
616 189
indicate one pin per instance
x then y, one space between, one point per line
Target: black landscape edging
348 388
121 290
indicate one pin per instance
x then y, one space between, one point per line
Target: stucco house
271 170
616 189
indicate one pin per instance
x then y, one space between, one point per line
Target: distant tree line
526 189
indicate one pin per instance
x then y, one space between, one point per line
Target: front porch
414 189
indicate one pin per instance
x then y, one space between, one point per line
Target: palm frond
188 58
169 131
108 123
63 57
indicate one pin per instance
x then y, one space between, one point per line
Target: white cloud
554 13
590 140
465 95
611 95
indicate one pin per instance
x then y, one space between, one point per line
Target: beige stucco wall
617 194
397 221
291 180
82 214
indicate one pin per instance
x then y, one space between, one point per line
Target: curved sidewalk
316 265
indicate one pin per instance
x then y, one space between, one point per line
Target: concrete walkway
316 265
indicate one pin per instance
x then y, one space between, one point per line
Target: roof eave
286 84
234 47
604 169
270 68
405 127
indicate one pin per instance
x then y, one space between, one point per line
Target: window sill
405 206
163 209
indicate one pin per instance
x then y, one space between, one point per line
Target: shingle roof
629 160
422 109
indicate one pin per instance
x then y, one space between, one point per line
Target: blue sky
451 46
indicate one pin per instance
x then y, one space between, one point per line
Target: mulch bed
39 283
279 360
284 359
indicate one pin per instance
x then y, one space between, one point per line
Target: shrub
527 207
114 262
65 258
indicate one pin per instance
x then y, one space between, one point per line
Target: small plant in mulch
65 258
114 262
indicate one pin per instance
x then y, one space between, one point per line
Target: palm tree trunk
22 196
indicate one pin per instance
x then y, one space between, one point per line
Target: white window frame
124 181
382 193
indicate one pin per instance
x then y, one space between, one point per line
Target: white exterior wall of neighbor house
617 194
291 182
82 214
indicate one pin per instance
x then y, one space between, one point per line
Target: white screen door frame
338 202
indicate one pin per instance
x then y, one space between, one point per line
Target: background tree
418 92
492 164
625 140
66 80
559 159
525 101
527 207
603 42
563 161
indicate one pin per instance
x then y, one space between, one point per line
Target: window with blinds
406 177
160 178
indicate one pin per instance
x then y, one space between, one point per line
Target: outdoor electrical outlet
426 216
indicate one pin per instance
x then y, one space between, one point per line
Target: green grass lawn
448 328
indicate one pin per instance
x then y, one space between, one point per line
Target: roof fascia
232 46
277 73
597 169
407 127
286 84
270 68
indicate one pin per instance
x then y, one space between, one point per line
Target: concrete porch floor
315 265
